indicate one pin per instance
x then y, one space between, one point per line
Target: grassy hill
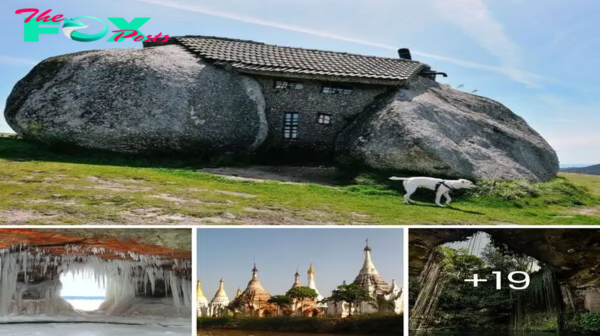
43 186
590 170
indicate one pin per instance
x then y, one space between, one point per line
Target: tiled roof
250 56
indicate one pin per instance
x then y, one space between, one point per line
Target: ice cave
95 282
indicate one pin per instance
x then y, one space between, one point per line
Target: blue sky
538 57
337 255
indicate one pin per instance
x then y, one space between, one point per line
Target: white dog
441 187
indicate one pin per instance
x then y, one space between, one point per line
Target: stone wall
314 140
592 301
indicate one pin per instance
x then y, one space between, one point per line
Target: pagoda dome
220 297
255 288
368 275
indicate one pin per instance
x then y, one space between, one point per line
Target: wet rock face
435 130
138 101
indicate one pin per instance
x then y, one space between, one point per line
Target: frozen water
88 329
85 305
121 277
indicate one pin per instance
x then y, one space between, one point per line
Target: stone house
310 95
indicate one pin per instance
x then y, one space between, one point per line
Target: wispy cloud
12 60
530 79
475 20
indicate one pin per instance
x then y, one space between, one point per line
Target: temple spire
200 298
221 286
254 272
296 280
220 296
368 267
199 292
312 284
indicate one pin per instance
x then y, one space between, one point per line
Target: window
346 90
324 119
290 125
285 85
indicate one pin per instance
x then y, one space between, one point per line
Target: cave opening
49 277
481 280
82 290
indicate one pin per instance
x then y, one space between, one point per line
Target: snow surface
85 305
59 329
147 320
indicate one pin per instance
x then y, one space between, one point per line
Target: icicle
121 278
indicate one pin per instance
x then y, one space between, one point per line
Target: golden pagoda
255 291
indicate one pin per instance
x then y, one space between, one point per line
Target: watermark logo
39 24
72 25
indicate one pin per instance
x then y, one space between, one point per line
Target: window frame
324 115
290 125
337 90
280 84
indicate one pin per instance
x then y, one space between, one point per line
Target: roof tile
256 56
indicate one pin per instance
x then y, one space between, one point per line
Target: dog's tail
394 178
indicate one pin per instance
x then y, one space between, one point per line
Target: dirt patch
115 185
233 193
19 217
286 174
68 202
12 182
105 187
593 211
155 216
175 199
256 210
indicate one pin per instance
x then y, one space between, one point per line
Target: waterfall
554 298
431 283
545 294
477 242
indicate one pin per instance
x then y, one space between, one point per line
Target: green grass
361 324
41 185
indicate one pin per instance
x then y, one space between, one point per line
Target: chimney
404 53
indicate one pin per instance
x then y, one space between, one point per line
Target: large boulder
138 101
431 129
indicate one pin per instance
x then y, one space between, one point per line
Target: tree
300 293
461 306
353 294
243 303
235 306
281 301
383 305
247 298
